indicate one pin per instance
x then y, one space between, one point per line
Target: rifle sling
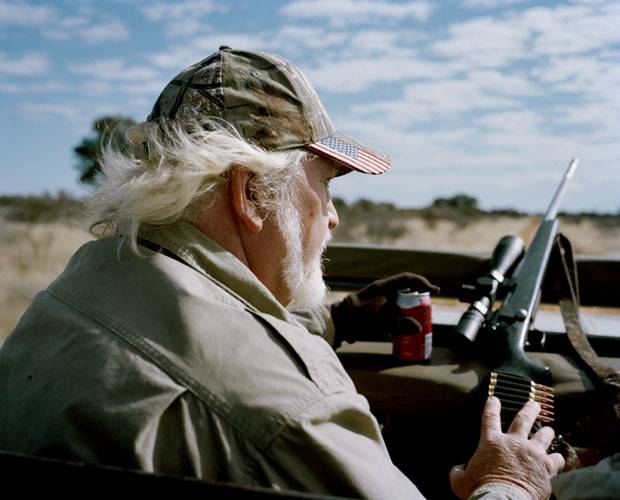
565 278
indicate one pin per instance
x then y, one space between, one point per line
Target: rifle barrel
520 305
552 211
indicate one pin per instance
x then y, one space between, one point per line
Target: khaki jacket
189 368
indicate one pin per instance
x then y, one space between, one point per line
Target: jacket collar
201 253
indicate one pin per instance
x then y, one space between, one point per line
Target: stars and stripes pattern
350 154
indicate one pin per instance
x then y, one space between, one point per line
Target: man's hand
509 458
372 314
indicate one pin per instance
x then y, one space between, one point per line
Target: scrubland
31 256
35 243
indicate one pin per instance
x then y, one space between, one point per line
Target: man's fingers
556 463
491 422
544 437
457 475
524 420
406 325
408 280
389 287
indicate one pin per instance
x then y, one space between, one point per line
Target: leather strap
566 282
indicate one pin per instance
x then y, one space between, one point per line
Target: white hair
304 279
164 172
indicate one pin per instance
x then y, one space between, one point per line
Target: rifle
516 278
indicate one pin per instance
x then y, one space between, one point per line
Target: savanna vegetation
38 234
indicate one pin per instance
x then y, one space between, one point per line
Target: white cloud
105 32
30 64
489 4
10 88
343 12
92 32
65 28
177 58
50 110
309 37
593 81
56 35
87 25
355 50
530 34
182 18
183 55
510 139
116 75
358 74
73 22
469 102
113 70
380 43
25 14
95 87
254 41
490 165
149 88
184 27
484 42
581 71
47 87
513 121
439 101
187 9
602 119
572 29
513 84
44 87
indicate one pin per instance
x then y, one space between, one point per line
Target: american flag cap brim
350 153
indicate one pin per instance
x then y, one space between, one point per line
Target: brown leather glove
372 314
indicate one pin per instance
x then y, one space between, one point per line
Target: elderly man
169 344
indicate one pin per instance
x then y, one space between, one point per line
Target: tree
458 202
105 129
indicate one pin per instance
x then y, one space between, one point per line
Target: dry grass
481 235
33 254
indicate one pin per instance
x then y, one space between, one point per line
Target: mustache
322 257
328 238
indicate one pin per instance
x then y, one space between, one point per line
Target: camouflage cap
270 103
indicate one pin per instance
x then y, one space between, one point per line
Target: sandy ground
586 236
32 255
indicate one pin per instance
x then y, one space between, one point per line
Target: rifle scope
506 254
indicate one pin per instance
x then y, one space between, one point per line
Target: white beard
306 285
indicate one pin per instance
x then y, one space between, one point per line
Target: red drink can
416 347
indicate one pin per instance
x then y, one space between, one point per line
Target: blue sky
486 97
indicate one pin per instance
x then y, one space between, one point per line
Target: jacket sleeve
317 321
596 481
499 491
334 447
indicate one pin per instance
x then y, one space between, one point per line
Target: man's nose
332 215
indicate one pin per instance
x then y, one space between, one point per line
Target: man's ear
245 208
